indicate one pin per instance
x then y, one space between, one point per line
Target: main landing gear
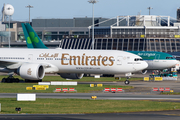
127 81
10 79
31 81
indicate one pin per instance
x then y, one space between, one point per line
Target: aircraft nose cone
172 63
144 65
141 66
176 62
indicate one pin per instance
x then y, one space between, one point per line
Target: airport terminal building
128 33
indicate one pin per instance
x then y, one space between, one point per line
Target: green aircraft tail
32 39
26 35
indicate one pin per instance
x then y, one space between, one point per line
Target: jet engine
144 71
71 75
31 71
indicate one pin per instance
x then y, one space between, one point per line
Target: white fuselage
157 60
160 64
74 61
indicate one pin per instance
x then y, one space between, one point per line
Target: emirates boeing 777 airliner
32 64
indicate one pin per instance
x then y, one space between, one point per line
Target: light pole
149 9
29 6
9 11
9 30
93 2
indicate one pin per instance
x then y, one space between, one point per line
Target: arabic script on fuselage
48 55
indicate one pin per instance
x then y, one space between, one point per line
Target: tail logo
29 40
33 38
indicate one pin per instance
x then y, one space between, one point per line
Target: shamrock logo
33 38
29 40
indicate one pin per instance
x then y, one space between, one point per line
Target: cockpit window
170 58
138 59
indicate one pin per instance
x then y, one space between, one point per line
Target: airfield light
29 6
18 109
93 2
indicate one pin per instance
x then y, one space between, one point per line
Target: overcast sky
81 8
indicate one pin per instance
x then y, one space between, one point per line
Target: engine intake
144 71
31 71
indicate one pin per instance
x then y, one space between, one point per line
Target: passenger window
169 58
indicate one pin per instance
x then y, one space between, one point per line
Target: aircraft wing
49 68
9 64
16 64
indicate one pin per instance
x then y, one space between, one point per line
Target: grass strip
78 106
81 88
84 79
89 79
170 93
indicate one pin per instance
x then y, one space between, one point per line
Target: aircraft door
30 57
119 60
157 57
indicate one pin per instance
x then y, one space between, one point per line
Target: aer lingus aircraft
155 60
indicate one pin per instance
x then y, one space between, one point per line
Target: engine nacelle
144 71
71 75
31 71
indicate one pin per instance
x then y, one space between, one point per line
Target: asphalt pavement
107 116
141 91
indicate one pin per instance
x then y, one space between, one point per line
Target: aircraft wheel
8 80
3 80
16 80
127 82
39 80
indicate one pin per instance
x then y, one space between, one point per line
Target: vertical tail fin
36 41
26 35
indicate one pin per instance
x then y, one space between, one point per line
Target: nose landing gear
127 81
